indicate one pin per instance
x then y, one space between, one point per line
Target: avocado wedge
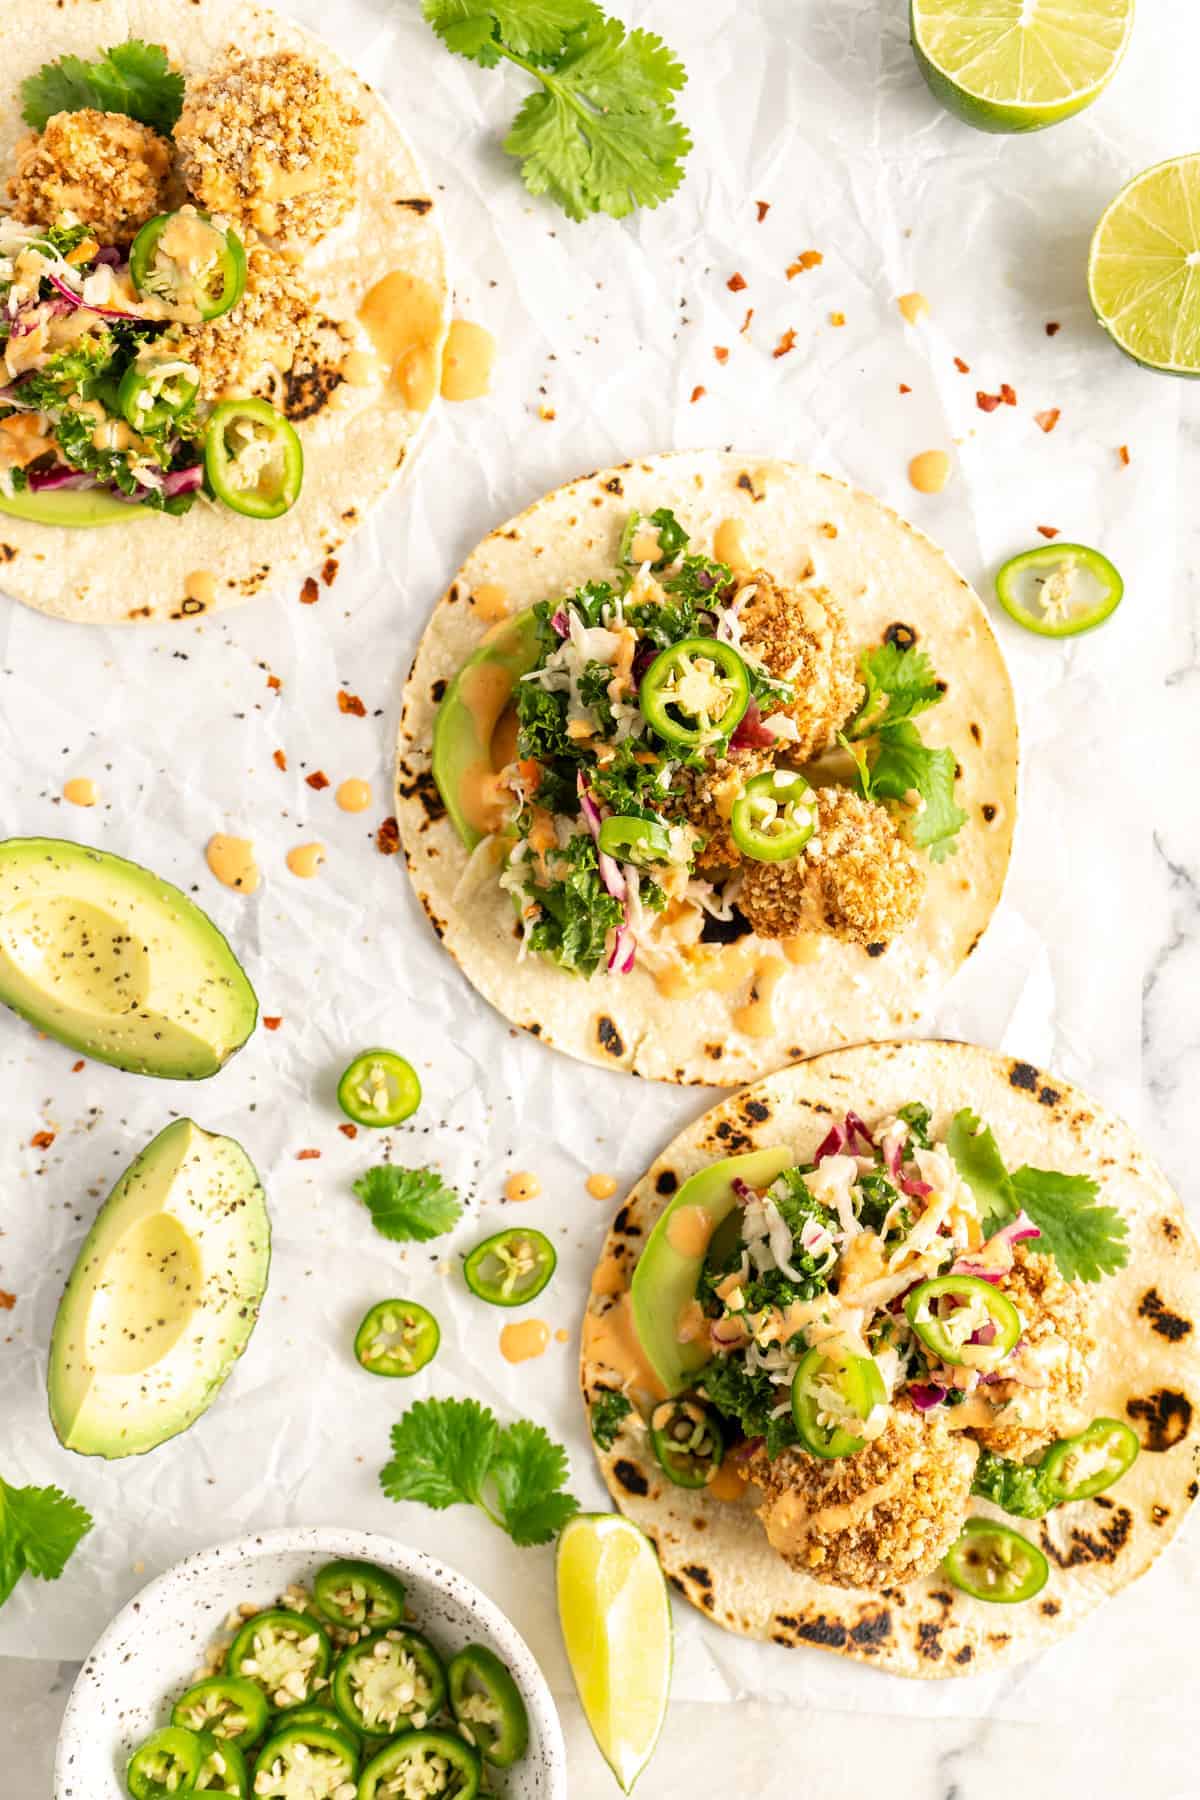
163 1296
71 506
664 1282
471 708
113 962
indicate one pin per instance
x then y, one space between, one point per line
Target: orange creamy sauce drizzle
689 1229
601 1187
729 546
757 1018
81 791
305 860
728 1483
353 795
522 1185
524 1339
402 316
231 860
610 1338
467 362
200 585
805 948
705 970
691 1324
490 601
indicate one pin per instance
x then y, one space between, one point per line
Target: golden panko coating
704 798
887 1514
110 172
274 342
269 144
801 635
1058 1346
857 878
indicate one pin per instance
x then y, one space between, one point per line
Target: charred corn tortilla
797 525
1147 1372
122 574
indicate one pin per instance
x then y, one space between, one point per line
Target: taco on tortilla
223 304
895 1353
707 763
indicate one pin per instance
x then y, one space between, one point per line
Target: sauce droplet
231 860
200 586
490 601
728 1483
729 546
354 795
689 1230
756 1018
305 860
467 364
561 1336
403 319
524 1339
80 791
522 1185
930 471
804 948
601 1187
913 307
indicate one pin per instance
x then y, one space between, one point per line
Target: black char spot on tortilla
423 787
1164 1416
1159 1515
976 734
307 387
714 1051
666 1182
1193 1488
988 811
630 1477
614 486
1023 1075
929 1640
1049 1096
1167 1324
964 1655
872 1630
1170 1230
608 1037
731 1137
534 1030
1050 1608
903 636
1083 1547
829 1632
624 1225
758 1110
421 206
876 949
699 1574
437 690
7 552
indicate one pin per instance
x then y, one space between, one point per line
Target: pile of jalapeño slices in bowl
334 1695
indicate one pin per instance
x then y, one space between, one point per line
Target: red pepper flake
787 342
274 683
1048 530
1008 394
745 325
42 1140
986 402
387 838
1049 419
318 779
736 283
1053 328
904 388
329 569
307 1155
7 1301
1123 456
76 1066
698 393
962 367
272 1021
310 593
764 207
279 759
350 703
721 352
350 1131
807 259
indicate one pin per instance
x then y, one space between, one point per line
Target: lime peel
1144 267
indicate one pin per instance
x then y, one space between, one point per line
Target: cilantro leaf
39 1530
899 683
133 78
609 1407
408 1205
1086 1239
903 763
601 134
978 1160
450 1452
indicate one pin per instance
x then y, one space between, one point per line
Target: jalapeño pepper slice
304 1759
634 840
193 268
1078 1467
511 1267
167 1762
443 1767
487 1705
963 1320
774 816
1059 590
389 1681
232 1709
695 693
833 1393
222 1769
283 1653
687 1441
156 391
379 1089
992 1562
253 459
357 1594
397 1337
323 1716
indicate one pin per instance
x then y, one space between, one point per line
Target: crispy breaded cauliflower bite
800 635
905 1497
1057 1349
275 342
269 144
857 877
704 798
106 170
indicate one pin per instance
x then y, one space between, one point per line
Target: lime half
616 1625
1144 268
1018 65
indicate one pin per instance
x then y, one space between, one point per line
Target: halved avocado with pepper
664 1282
71 506
470 711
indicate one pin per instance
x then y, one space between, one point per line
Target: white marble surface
770 1751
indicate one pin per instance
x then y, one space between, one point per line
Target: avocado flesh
71 506
163 1296
665 1278
113 962
470 711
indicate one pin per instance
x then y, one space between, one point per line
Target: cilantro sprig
891 759
601 135
40 1528
454 1452
408 1205
132 78
1086 1239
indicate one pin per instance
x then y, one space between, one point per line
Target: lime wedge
616 1626
1018 65
1144 267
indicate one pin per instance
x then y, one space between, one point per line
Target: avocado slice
470 710
667 1272
71 506
163 1296
110 960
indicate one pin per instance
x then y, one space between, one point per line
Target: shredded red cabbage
926 1394
107 312
751 733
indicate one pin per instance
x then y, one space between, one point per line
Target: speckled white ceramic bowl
150 1651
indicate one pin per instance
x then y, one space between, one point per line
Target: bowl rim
334 1540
